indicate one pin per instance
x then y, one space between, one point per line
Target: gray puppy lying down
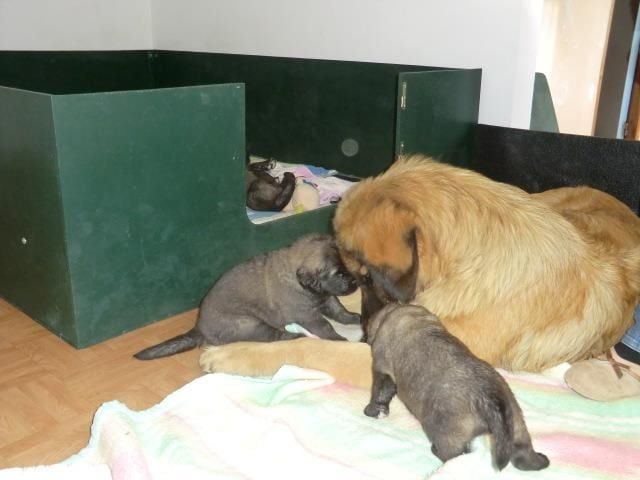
255 300
455 395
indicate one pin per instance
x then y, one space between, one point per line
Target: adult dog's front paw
235 358
208 359
249 358
376 410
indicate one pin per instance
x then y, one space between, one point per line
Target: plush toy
305 197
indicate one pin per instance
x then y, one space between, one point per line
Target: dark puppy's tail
512 439
181 343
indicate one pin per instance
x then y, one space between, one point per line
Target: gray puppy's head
396 312
321 270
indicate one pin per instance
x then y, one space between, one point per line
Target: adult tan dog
526 281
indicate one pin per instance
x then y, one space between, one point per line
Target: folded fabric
59 471
330 188
299 170
300 424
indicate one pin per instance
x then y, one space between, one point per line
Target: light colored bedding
330 188
300 424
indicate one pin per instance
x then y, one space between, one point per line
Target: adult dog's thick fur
525 281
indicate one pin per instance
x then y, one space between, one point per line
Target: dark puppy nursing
455 395
255 300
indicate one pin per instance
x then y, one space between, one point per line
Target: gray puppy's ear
308 280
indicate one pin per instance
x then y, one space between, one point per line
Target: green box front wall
297 110
33 275
122 207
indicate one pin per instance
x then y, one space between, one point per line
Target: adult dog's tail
181 343
512 440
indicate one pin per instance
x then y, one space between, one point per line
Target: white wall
572 51
75 24
498 35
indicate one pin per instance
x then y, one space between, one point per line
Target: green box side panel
302 110
543 115
437 112
33 262
152 186
75 72
149 183
277 234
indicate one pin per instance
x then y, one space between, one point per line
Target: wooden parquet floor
49 391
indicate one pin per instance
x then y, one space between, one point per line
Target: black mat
537 161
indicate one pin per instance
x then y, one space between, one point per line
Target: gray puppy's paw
376 410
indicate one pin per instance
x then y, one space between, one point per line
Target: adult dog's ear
370 304
308 280
401 288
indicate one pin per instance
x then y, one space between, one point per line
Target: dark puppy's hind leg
382 391
522 454
450 438
333 309
445 448
525 458
267 333
250 330
446 451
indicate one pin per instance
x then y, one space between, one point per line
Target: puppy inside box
315 187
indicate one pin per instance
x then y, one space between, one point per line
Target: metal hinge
403 97
625 131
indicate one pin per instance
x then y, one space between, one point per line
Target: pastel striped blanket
300 424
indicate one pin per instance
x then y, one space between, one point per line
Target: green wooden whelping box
122 173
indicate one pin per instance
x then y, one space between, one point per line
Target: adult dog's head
320 269
378 240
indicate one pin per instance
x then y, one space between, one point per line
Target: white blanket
301 425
